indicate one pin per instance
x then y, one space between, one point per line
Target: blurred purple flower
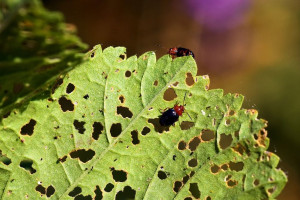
218 14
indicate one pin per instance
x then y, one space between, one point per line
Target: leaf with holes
98 136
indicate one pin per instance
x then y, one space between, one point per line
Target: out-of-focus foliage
35 45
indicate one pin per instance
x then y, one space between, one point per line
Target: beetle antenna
189 115
184 99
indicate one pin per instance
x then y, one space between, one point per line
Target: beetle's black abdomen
184 52
168 118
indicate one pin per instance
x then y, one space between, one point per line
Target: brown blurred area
255 53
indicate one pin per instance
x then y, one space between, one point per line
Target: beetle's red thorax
173 51
179 109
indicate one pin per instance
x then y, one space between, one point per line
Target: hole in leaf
189 79
207 135
115 130
175 84
224 167
271 190
6 115
181 145
50 191
108 187
239 149
231 112
40 189
155 83
97 130
122 99
232 183
27 165
270 179
225 141
215 169
193 162
83 155
128 74
81 197
194 143
256 182
185 179
5 160
185 125
98 193
195 190
177 186
170 94
119 175
236 166
157 126
192 173
134 136
70 88
63 159
66 104
243 180
214 121
208 198
162 175
124 112
127 193
145 130
227 121
122 56
57 84
188 198
79 126
92 54
86 96
174 157
263 132
236 134
28 129
228 177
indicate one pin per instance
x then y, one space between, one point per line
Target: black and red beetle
170 116
179 52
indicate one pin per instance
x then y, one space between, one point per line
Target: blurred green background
246 46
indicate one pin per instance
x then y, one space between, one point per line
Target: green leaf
97 135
